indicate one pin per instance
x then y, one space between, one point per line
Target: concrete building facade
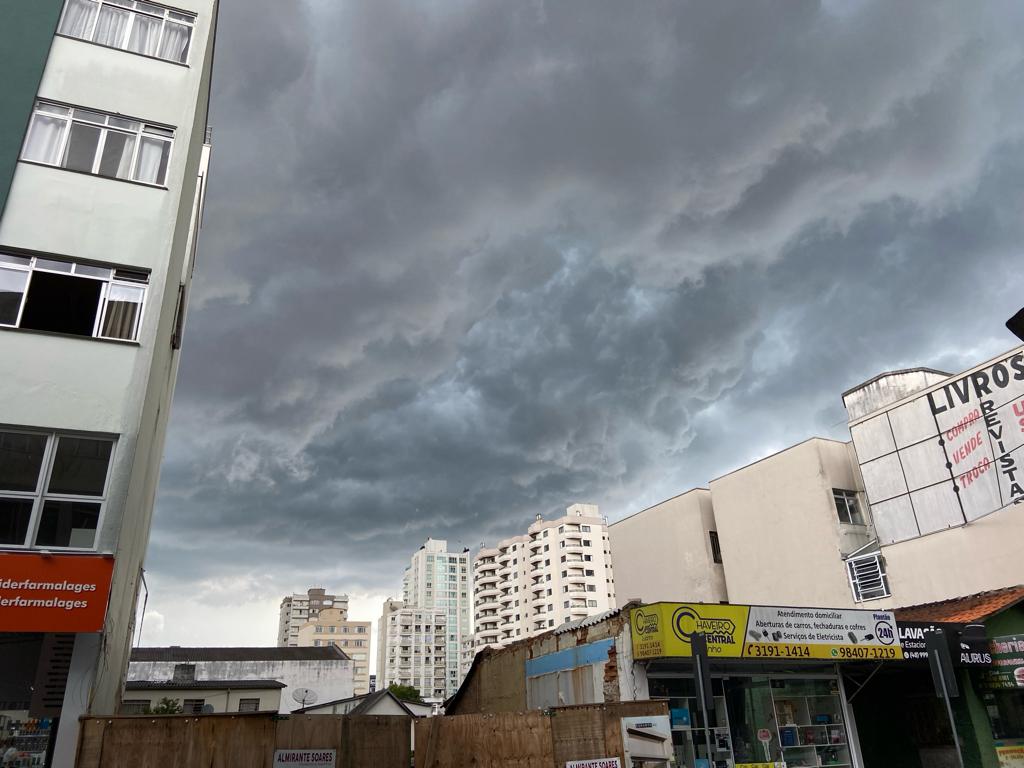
559 571
423 639
332 627
412 649
685 551
103 158
326 671
296 610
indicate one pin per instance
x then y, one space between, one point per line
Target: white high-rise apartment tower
435 584
561 570
103 158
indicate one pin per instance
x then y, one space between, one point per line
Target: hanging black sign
964 651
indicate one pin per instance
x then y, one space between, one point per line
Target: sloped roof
196 685
366 702
964 610
269 653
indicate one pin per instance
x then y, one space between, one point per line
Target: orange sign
53 593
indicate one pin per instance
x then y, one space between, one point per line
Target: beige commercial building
650 567
332 627
923 505
298 609
560 570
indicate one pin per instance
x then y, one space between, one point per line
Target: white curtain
44 139
111 26
123 304
174 46
152 159
78 18
145 35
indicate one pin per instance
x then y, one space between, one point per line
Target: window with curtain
131 25
67 297
98 143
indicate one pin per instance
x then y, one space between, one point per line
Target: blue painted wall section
570 658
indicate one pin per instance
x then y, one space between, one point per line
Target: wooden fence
240 741
535 739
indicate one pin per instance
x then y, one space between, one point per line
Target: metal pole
949 711
698 668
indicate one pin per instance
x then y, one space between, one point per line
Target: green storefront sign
1007 672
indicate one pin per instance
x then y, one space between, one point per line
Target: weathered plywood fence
528 739
234 741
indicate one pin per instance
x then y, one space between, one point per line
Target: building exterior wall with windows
296 610
412 649
439 579
96 259
332 627
559 571
780 532
667 545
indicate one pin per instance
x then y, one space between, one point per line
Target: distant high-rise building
430 628
296 610
559 571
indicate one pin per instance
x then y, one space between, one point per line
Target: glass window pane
68 524
80 466
45 135
85 269
89 116
111 26
21 261
78 18
120 122
145 36
12 289
116 160
54 266
53 109
121 316
14 517
81 151
21 458
151 166
175 42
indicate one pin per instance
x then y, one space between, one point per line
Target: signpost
944 679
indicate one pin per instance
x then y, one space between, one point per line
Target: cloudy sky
467 262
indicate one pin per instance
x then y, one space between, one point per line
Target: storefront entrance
760 717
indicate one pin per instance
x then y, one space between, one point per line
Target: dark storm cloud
464 263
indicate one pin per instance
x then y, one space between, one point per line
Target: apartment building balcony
487 578
489 634
484 593
574 558
576 548
489 605
576 589
537 557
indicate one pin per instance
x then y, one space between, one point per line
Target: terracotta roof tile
964 610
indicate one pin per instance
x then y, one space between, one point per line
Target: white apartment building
412 649
436 582
561 570
103 157
296 610
332 627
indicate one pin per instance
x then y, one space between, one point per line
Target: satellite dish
304 696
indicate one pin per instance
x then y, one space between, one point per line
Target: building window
248 705
847 507
585 529
52 488
192 706
589 572
43 294
97 143
586 542
868 578
592 603
134 706
139 27
716 547
591 588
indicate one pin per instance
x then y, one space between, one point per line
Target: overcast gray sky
467 262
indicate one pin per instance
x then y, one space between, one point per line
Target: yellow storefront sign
665 629
764 632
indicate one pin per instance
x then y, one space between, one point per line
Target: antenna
304 696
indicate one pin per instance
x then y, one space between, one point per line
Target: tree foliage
406 693
165 706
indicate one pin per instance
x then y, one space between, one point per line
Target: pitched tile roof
964 610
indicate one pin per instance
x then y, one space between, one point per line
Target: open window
68 297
